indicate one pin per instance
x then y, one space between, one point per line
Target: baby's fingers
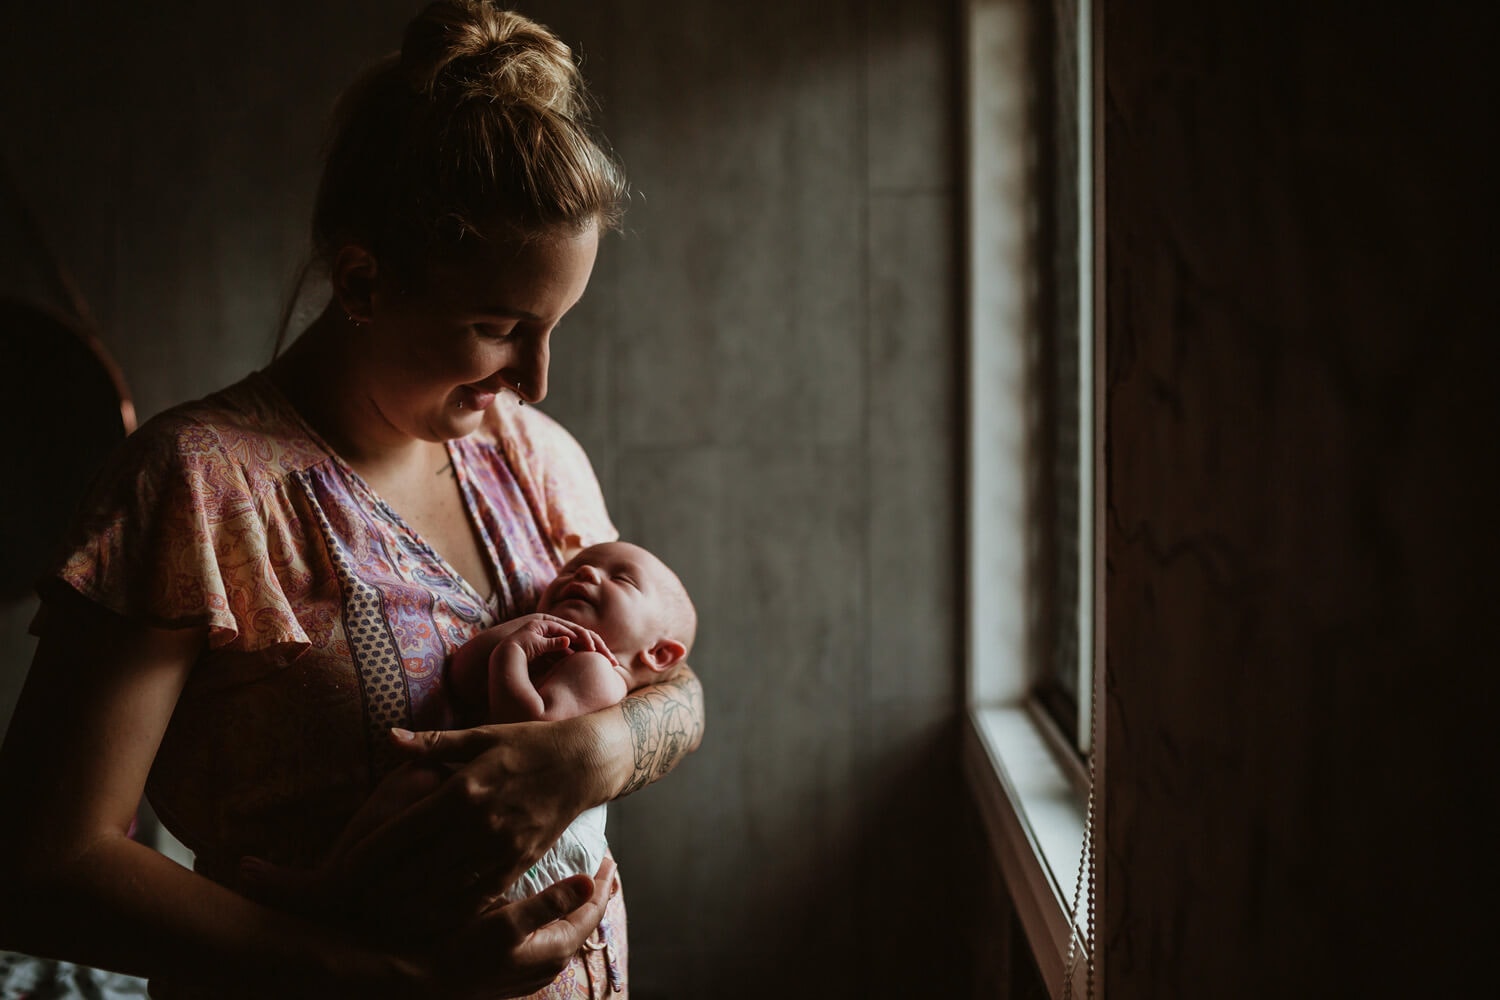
545 625
584 639
532 646
595 643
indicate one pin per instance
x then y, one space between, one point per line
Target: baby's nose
587 573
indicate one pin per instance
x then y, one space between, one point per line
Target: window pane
1063 58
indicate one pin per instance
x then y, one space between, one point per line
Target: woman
256 614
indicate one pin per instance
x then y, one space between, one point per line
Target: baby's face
616 589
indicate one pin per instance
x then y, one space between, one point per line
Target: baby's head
635 603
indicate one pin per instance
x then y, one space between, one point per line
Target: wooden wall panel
1301 384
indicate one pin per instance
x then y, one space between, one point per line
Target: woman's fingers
457 824
518 948
510 797
452 745
557 920
481 828
294 889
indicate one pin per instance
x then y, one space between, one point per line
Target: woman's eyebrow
511 312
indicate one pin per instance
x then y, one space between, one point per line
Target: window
1032 456
1065 325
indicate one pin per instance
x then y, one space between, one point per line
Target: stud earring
519 401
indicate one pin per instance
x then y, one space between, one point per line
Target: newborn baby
616 592
614 619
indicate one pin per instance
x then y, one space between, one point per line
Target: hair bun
479 125
469 50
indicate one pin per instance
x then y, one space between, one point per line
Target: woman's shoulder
247 426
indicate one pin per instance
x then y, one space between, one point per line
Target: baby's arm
512 696
582 683
489 676
575 685
469 676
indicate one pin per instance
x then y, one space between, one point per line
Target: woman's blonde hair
480 125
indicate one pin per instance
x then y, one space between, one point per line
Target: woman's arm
85 731
75 759
605 755
663 723
515 788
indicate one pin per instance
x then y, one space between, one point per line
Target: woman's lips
475 399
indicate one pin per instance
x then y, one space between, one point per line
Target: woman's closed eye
494 331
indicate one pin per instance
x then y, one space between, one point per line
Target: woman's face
474 332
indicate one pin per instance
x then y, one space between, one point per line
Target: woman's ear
353 279
665 655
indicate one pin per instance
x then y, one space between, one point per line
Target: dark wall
1301 379
764 372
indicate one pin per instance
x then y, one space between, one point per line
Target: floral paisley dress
329 620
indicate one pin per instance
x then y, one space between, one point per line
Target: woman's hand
513 791
450 853
509 950
518 948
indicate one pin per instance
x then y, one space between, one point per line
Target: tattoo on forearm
666 724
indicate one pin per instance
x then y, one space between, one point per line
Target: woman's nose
525 374
528 374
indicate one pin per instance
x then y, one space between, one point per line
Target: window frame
1031 783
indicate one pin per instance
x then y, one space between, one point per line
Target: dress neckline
461 476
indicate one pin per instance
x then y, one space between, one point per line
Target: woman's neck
320 375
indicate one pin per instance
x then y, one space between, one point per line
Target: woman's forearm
656 727
72 884
119 905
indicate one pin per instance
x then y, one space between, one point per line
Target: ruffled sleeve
173 535
555 471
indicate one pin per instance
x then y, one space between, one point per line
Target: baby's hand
539 634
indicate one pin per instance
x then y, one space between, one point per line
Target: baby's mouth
574 592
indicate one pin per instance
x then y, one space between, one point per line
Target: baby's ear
665 655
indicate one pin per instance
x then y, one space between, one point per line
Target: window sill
1034 816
